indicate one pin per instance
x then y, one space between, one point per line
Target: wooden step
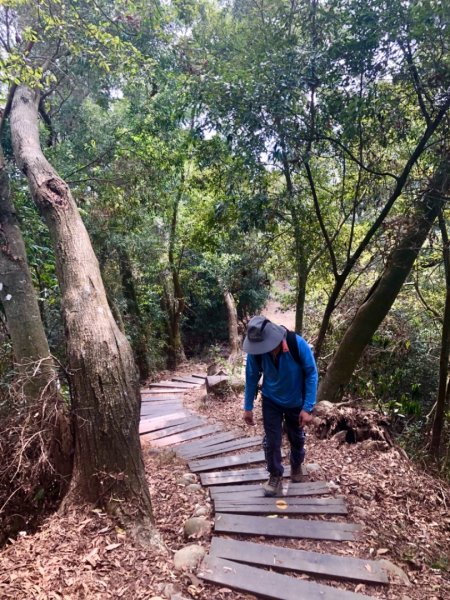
238 476
282 506
254 490
159 411
327 565
246 458
291 528
160 399
268 584
162 391
153 423
187 379
238 444
171 430
185 450
186 435
172 384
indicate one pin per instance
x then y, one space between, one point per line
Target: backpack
291 340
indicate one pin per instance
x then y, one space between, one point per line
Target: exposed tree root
348 424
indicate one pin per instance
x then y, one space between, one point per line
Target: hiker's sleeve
252 375
309 373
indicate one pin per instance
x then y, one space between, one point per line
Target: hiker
288 391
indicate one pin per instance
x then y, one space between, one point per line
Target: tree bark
31 352
443 398
341 277
173 308
138 334
384 292
174 301
302 273
108 466
233 334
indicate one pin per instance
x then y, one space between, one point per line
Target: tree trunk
302 273
172 308
108 467
138 333
341 278
174 300
443 399
233 334
384 292
30 346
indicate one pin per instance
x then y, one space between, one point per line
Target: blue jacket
290 384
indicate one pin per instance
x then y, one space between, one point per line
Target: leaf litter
82 554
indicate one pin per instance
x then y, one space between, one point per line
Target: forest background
163 164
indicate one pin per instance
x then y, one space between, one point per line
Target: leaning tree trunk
108 466
383 294
443 397
30 346
233 333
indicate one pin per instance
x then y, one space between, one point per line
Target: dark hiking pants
273 415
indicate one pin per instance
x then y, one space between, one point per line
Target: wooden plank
152 424
247 458
199 376
254 490
162 403
155 406
187 379
160 410
190 447
172 384
186 435
290 528
226 436
281 502
185 426
162 391
282 508
328 565
238 476
268 584
238 444
150 399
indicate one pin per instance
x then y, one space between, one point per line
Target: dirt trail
273 310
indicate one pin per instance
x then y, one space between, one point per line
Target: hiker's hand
304 418
248 417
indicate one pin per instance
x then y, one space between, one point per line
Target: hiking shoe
297 474
273 486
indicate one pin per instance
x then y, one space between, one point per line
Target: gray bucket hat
262 335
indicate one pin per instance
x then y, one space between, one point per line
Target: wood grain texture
268 584
329 565
291 528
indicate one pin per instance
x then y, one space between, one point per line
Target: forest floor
85 554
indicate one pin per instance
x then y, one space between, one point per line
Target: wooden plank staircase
241 508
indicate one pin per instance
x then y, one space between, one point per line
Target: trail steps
241 508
